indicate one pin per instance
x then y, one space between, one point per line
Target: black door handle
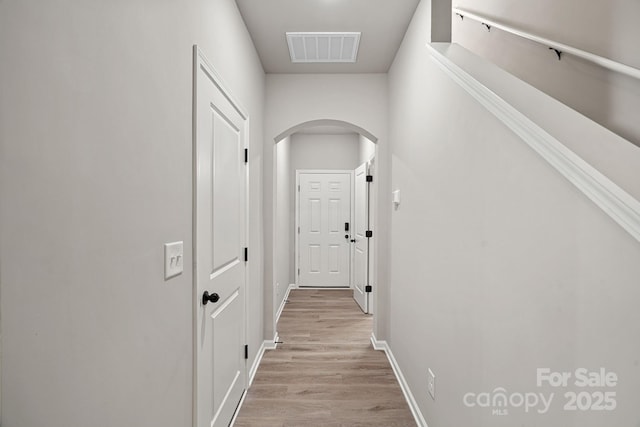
206 298
353 240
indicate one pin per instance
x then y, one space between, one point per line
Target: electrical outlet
431 384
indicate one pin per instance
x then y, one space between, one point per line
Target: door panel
314 258
219 236
361 244
226 163
315 206
226 334
334 259
334 216
324 202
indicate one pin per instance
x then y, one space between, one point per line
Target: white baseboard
256 363
284 301
235 414
382 345
378 345
271 344
266 345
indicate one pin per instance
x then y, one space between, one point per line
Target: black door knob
206 298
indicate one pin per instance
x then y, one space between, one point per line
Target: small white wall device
396 199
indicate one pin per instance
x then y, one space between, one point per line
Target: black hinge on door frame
367 288
246 155
368 234
369 178
246 351
246 254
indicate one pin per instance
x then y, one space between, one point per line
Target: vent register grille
323 47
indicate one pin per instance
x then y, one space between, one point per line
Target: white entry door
219 234
361 244
324 222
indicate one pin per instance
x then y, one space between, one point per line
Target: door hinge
369 233
367 288
246 155
246 351
298 188
246 254
369 178
298 230
298 272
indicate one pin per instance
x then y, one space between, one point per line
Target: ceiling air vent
323 47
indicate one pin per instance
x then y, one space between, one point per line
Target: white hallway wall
317 151
608 29
283 237
514 269
360 99
95 175
366 150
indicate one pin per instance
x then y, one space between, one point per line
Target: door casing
361 223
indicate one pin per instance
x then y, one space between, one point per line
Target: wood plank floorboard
325 373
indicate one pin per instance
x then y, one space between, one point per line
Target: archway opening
328 145
327 123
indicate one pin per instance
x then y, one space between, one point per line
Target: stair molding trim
622 207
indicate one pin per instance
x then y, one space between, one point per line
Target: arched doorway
339 145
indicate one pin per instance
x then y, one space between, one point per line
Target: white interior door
361 244
219 235
324 211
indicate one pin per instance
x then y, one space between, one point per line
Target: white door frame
368 278
297 219
373 191
201 62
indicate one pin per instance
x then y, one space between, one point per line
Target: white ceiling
381 22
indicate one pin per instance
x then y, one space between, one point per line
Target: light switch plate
396 199
173 259
431 384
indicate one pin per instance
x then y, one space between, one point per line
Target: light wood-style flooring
325 373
